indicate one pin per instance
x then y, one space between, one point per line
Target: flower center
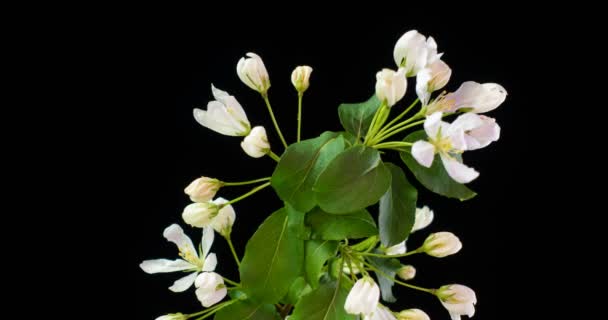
188 255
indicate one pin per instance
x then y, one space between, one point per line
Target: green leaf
357 117
316 253
297 289
397 208
390 268
324 303
296 224
325 226
248 310
273 260
352 181
300 166
435 178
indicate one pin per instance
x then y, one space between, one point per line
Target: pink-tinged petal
424 153
174 233
184 283
210 262
486 133
457 170
465 122
165 265
432 124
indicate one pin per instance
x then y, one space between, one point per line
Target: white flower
479 130
458 299
391 85
225 115
203 189
200 215
413 314
381 313
253 73
363 298
172 316
407 272
256 143
432 78
441 244
477 98
210 288
300 78
424 217
191 260
223 221
414 52
399 248
447 140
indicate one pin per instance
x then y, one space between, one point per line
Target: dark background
170 71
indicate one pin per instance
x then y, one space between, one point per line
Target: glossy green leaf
324 303
316 253
435 178
248 310
296 223
300 166
389 267
298 288
357 117
353 180
273 260
325 226
397 208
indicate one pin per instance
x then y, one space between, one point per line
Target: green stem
387 127
419 250
274 120
234 283
393 132
218 308
392 144
300 94
236 257
228 184
254 190
207 311
273 156
371 267
372 126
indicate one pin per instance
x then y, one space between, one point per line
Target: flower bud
172 316
203 189
200 215
300 78
413 314
224 115
390 86
210 288
256 143
458 300
363 298
222 223
441 244
407 272
413 52
424 217
253 73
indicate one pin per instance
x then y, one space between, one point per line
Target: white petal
215 118
218 94
424 153
422 85
432 124
165 265
483 135
457 170
424 217
210 262
399 248
174 233
211 288
208 236
184 283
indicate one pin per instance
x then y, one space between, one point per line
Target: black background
170 72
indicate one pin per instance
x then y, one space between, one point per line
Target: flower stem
396 129
419 250
273 156
216 309
371 267
274 120
392 144
254 190
210 310
236 257
234 283
398 117
242 183
300 95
